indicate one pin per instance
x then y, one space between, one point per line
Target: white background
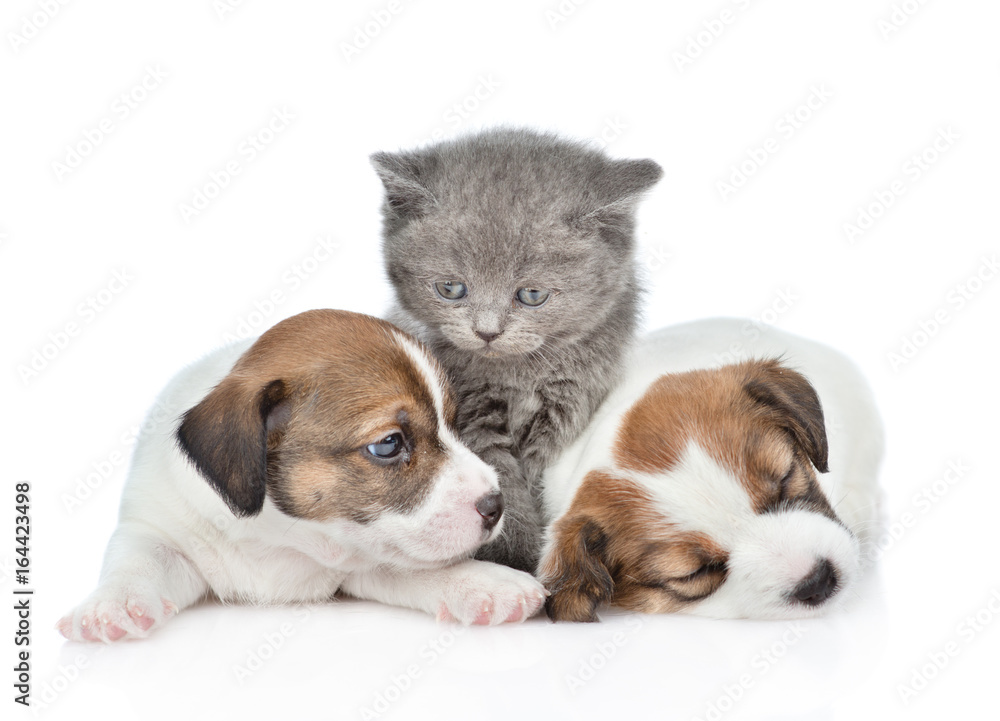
701 88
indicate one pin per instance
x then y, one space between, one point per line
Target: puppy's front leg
145 581
469 591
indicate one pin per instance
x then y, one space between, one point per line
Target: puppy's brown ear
226 437
574 570
793 405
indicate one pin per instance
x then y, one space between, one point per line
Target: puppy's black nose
490 507
818 586
488 337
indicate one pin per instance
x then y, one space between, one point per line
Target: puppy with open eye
320 457
715 489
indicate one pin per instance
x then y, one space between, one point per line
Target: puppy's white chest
258 571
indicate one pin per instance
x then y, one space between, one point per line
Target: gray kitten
511 253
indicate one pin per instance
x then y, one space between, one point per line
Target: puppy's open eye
388 447
532 297
451 289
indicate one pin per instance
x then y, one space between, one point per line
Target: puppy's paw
117 612
486 594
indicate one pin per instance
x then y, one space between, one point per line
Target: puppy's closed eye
785 485
699 584
703 570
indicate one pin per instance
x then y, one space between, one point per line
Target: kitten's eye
451 289
388 447
532 297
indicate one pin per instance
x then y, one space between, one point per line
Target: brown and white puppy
713 487
319 458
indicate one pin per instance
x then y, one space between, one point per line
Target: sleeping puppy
319 458
714 488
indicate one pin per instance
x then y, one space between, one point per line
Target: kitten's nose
487 336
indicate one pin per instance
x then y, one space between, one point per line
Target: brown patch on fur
295 414
757 419
613 546
449 405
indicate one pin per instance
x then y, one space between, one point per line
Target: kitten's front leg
566 410
471 592
483 420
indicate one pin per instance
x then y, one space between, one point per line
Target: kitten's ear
615 192
405 194
624 181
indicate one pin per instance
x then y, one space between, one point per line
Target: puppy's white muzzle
789 564
463 511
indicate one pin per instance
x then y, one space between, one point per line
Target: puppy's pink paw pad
114 613
140 616
113 632
65 626
143 622
489 594
517 614
485 615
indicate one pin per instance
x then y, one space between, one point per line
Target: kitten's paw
117 612
487 594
